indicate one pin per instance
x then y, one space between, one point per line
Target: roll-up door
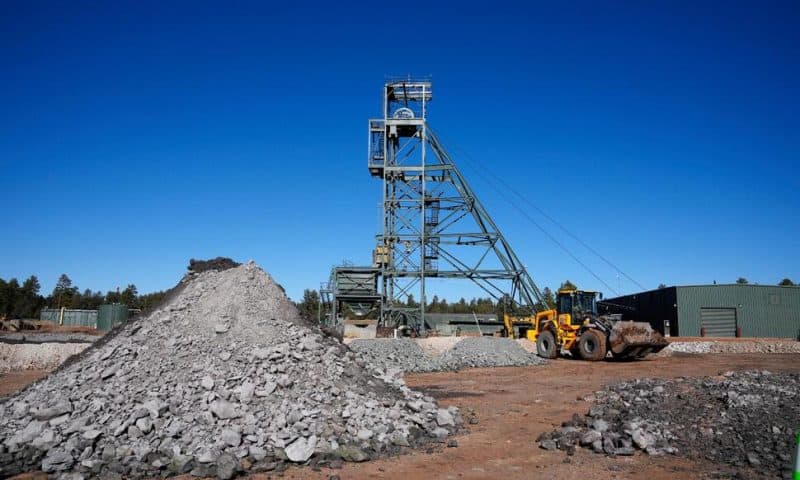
719 322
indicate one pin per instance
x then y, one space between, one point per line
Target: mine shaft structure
433 224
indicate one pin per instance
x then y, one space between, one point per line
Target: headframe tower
433 225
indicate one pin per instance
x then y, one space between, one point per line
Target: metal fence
81 318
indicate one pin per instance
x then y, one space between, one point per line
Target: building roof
751 285
737 285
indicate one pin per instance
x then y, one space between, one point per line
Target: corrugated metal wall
82 318
761 310
109 316
657 307
447 323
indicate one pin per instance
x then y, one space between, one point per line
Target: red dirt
45 326
52 327
14 381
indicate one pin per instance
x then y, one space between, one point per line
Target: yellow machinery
574 326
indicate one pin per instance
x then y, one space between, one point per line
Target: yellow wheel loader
574 326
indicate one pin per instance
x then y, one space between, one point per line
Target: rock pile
739 346
36 356
475 352
406 354
745 419
403 354
222 378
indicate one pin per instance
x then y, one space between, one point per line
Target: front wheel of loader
546 345
592 345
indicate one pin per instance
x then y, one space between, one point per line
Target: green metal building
104 318
718 310
80 318
109 316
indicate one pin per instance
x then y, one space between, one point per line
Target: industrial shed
719 310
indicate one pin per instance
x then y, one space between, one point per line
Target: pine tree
567 285
309 307
63 291
129 296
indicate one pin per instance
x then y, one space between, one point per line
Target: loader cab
578 304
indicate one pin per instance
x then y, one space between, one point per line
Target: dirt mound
222 377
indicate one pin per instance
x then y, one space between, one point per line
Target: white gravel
740 346
435 346
36 356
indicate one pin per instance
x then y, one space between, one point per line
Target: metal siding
446 323
655 307
352 283
719 322
82 318
109 316
761 310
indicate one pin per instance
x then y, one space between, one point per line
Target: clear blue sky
137 136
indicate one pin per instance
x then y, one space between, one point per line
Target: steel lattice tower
433 225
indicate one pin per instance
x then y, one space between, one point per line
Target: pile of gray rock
474 352
744 419
222 378
406 355
403 354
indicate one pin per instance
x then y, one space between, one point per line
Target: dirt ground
53 328
14 381
514 406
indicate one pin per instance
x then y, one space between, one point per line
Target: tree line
309 305
25 300
786 282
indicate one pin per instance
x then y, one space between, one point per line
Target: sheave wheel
546 345
592 345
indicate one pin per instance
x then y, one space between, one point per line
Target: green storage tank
109 316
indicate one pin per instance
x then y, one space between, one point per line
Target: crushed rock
408 355
527 345
746 420
403 354
36 356
474 352
741 346
435 346
170 393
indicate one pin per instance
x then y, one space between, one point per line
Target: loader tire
546 345
592 345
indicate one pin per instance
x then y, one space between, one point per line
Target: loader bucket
630 340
